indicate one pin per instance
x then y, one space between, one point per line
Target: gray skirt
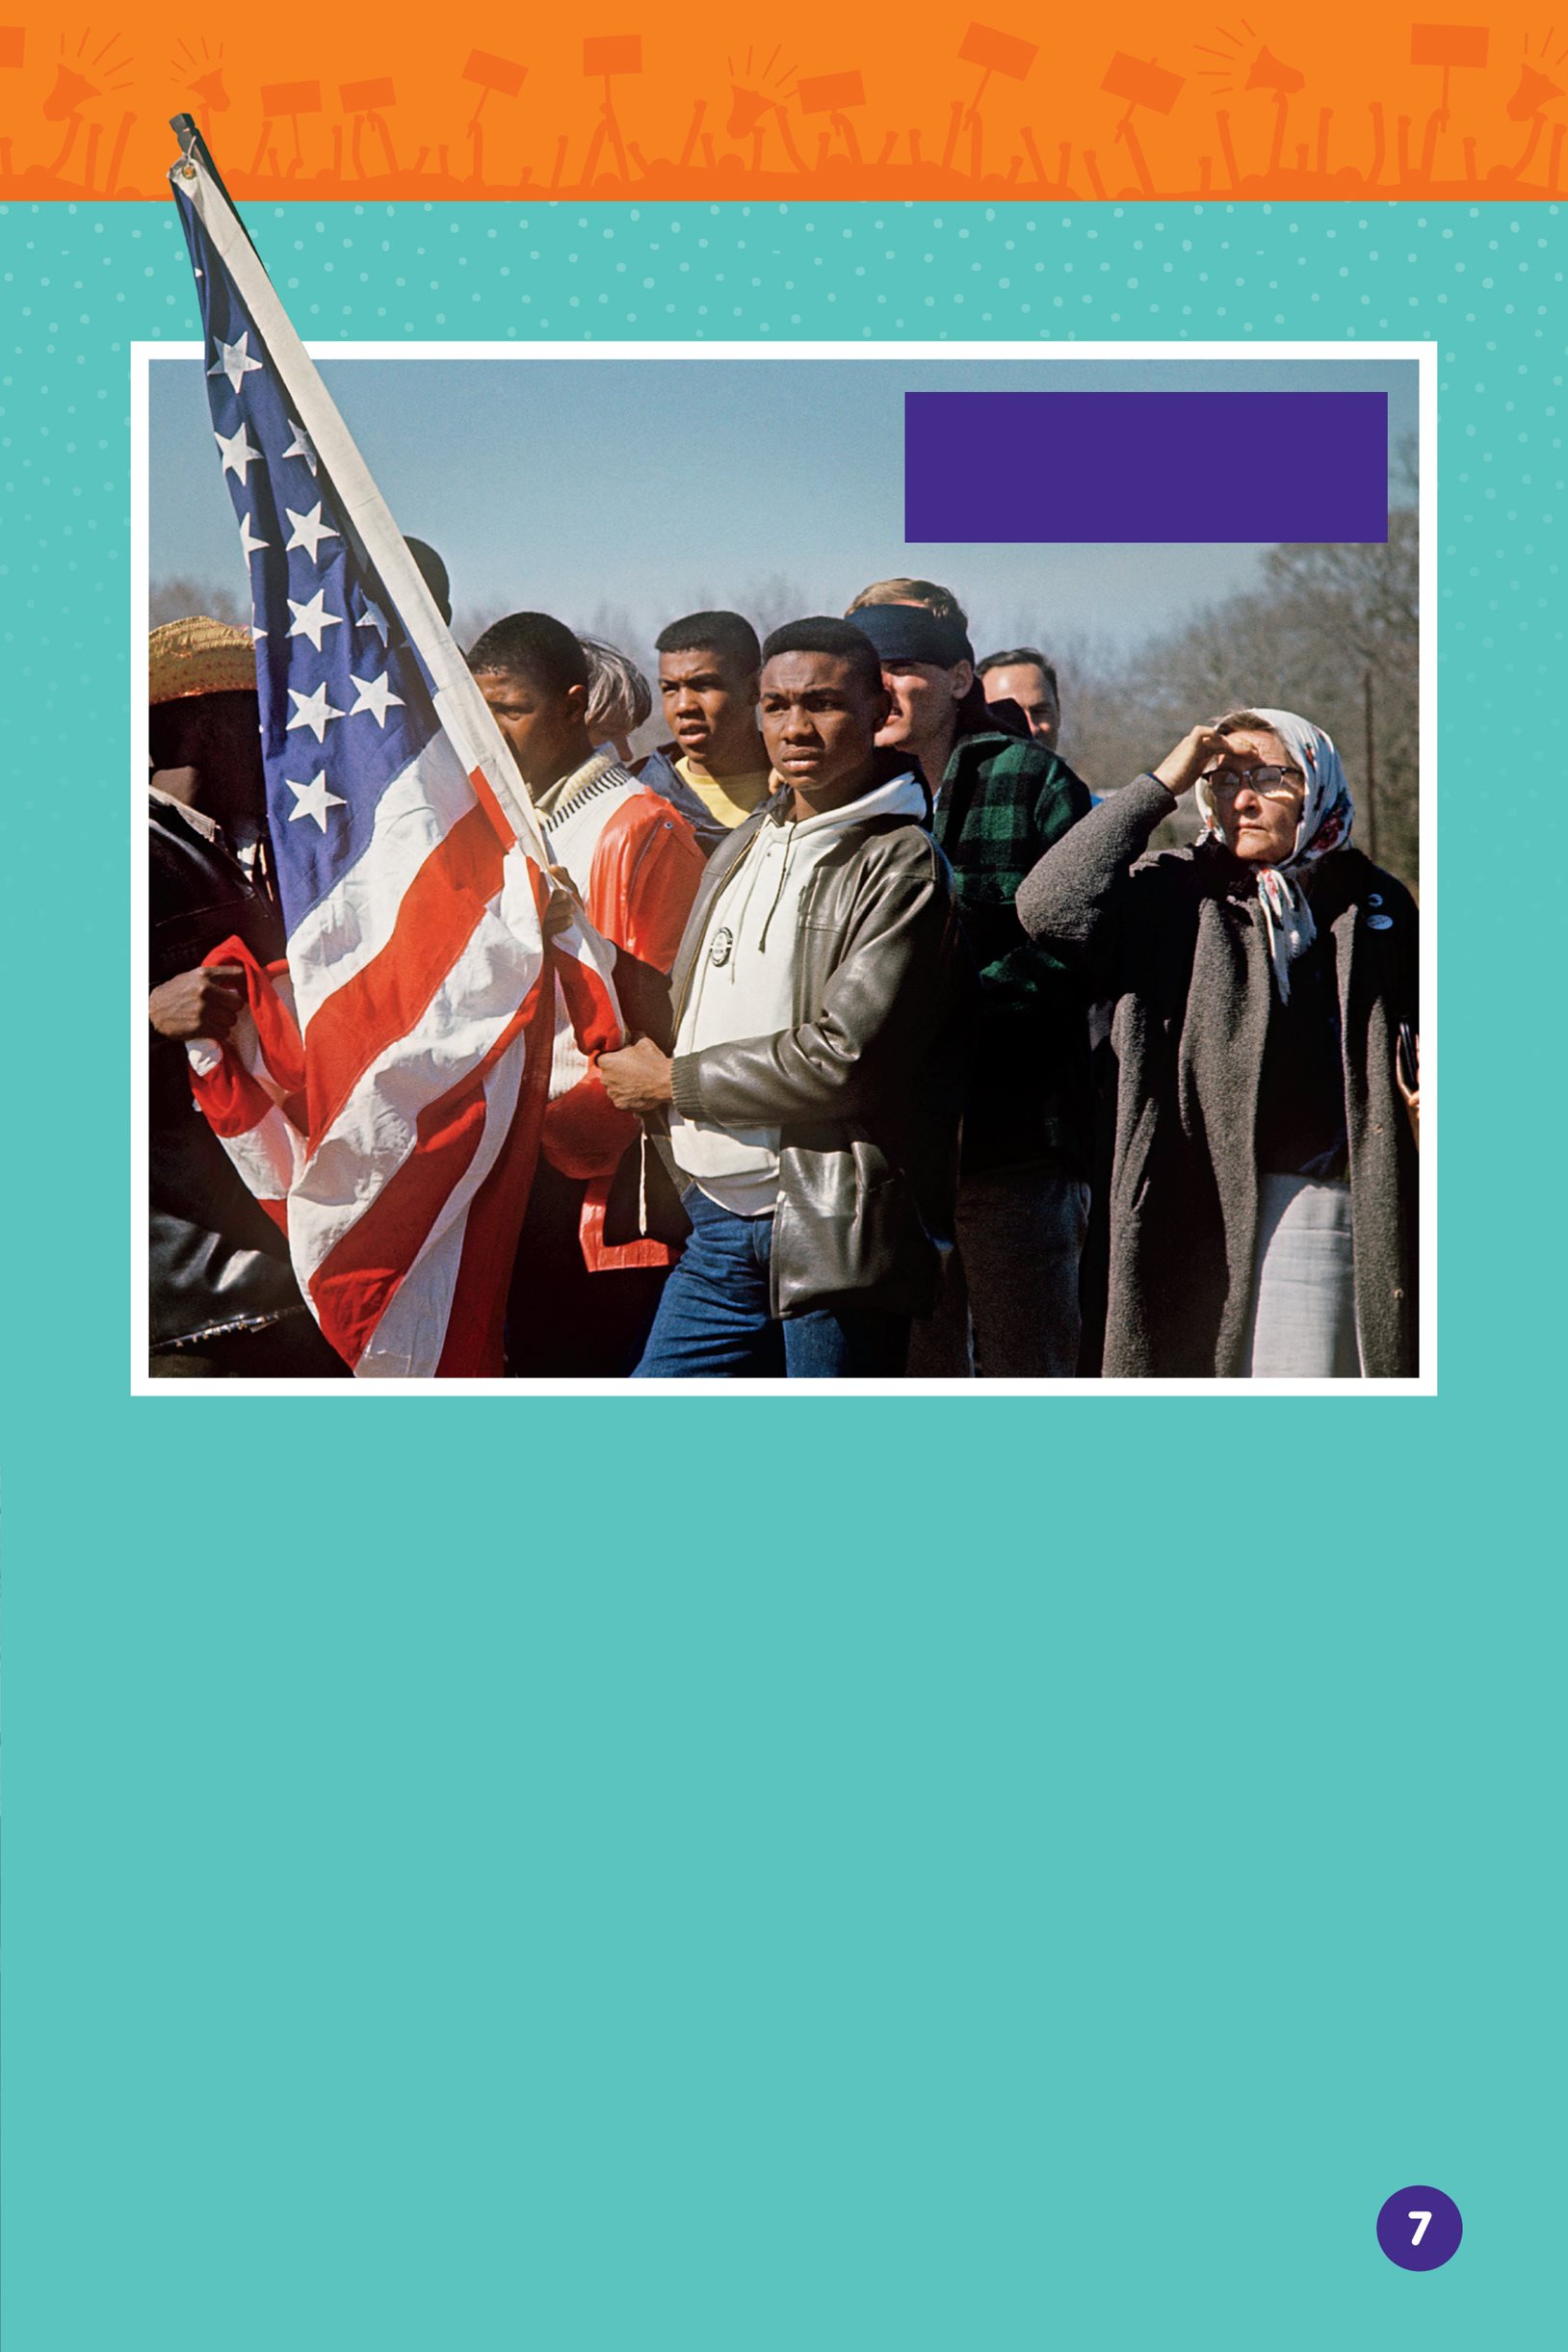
1303 1283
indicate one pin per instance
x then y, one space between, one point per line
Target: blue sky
630 492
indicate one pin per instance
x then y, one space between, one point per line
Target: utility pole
1371 768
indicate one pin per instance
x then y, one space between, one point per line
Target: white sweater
579 810
742 982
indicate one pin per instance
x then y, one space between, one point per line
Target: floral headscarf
1327 813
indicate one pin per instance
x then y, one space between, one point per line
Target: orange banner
826 93
807 103
622 54
365 97
998 52
1447 44
497 73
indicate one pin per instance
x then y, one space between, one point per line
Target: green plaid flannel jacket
1004 801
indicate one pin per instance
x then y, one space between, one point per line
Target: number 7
1423 2219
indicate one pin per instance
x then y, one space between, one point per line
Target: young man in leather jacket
813 1096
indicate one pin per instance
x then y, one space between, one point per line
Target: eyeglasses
1269 783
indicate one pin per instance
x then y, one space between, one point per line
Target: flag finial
184 128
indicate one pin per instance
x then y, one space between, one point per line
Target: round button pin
1379 923
1420 2229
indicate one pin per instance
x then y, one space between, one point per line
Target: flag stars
238 454
370 616
234 360
248 546
309 530
313 799
376 697
302 446
313 618
314 712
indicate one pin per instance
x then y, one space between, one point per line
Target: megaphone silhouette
71 89
746 110
1533 93
210 89
1271 72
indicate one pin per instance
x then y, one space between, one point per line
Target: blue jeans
714 1321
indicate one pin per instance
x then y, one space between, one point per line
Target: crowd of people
933 1068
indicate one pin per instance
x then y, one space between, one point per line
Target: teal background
769 1873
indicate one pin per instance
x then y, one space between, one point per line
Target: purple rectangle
1000 468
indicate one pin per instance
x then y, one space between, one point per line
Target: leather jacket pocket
847 1225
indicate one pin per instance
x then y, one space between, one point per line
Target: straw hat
199 656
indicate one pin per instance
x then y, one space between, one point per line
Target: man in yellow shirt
708 667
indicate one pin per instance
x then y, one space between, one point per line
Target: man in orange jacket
579 1307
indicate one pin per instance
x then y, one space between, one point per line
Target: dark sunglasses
1226 782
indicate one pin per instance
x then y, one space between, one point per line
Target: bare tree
616 624
1331 632
770 602
179 598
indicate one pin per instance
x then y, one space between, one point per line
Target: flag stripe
344 930
427 1196
233 1084
480 1235
234 1099
379 1125
476 1327
354 1285
487 800
439 915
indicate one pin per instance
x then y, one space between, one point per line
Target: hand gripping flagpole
461 708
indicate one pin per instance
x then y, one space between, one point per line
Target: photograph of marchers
857 865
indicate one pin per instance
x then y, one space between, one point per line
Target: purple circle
1420 2229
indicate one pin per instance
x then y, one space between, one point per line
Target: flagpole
409 1063
462 708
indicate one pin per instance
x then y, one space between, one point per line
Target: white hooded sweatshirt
742 982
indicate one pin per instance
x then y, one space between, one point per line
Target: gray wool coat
1177 943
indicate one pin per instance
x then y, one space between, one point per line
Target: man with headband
1000 802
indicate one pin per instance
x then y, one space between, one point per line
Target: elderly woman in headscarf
1262 1210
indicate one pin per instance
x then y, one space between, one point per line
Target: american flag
383 1098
